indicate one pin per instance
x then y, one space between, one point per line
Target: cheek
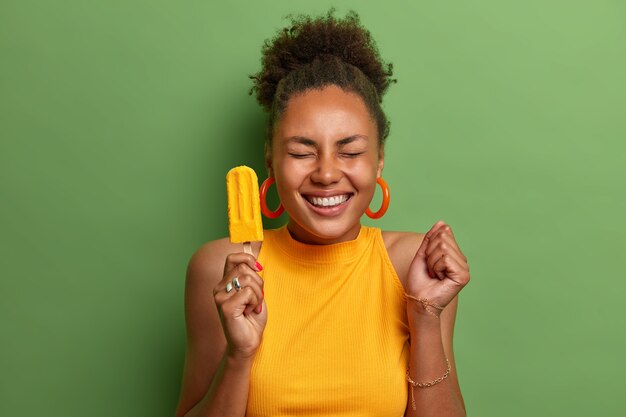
369 187
293 171
288 178
365 171
366 179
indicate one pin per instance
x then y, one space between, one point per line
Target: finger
256 303
446 267
435 229
449 234
247 282
439 265
445 228
442 251
242 270
421 252
221 296
444 238
445 244
235 259
225 285
236 306
239 271
245 276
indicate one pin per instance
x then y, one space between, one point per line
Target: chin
320 233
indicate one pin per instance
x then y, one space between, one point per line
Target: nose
327 171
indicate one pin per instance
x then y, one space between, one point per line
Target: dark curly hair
316 52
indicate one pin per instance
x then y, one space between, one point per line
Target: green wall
119 120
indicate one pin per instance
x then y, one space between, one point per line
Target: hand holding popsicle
242 311
239 295
439 269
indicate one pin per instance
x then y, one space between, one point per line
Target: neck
298 233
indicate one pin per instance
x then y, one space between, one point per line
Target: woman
328 317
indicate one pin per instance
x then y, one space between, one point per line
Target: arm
437 273
431 266
431 343
216 373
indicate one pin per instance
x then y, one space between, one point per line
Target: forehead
326 113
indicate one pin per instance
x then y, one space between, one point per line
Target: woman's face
325 160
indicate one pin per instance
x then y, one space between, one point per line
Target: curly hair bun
310 39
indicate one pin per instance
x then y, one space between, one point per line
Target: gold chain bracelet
425 304
425 384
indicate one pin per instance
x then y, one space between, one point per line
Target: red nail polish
258 266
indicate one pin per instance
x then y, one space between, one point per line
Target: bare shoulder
207 258
207 263
402 240
402 247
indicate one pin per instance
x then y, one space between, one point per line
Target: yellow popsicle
244 207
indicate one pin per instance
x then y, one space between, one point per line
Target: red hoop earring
385 205
264 209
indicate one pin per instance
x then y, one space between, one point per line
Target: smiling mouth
328 202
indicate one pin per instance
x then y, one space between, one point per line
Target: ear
268 161
381 162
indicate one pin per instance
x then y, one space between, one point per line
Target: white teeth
328 201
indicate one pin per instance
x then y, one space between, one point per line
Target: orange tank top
336 341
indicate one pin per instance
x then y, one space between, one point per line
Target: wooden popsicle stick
247 248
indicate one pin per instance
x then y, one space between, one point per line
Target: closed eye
300 155
352 154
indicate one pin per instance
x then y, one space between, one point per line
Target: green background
120 119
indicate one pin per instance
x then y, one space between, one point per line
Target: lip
328 211
327 193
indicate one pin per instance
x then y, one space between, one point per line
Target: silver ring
236 283
229 287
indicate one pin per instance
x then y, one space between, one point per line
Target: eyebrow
310 142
